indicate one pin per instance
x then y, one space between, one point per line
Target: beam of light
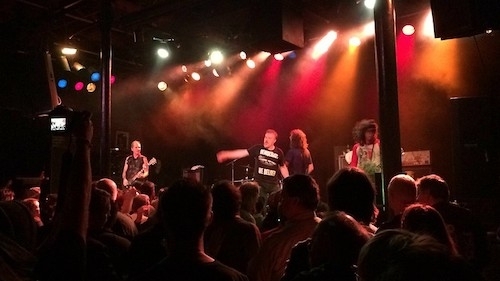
408 30
428 26
324 44
369 29
405 52
354 42
342 81
437 63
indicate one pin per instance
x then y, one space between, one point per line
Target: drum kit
247 175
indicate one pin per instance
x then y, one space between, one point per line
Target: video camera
63 119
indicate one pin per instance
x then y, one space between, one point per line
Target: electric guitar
131 181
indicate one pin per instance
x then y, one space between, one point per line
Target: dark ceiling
188 27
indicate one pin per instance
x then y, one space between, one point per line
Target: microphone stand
232 170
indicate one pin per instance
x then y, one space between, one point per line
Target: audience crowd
189 231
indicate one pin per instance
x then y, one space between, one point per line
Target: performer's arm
284 171
310 168
225 155
145 168
124 173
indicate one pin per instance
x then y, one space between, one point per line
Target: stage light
324 44
91 87
250 63
243 55
68 51
370 4
95 76
216 57
62 83
354 41
184 68
208 63
428 29
408 30
78 66
215 73
369 29
196 76
162 86
489 31
279 57
79 85
162 53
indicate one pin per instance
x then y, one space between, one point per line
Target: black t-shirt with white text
267 164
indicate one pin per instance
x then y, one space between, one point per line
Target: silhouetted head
351 191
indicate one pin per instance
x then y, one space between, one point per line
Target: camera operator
62 255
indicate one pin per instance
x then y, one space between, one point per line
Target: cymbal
243 180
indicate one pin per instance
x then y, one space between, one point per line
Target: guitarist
136 171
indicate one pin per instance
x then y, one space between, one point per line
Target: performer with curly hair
366 151
298 159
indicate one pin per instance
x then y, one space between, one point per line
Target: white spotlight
216 57
196 76
354 41
215 73
162 53
162 86
208 63
370 4
243 55
184 68
279 57
68 51
250 63
408 30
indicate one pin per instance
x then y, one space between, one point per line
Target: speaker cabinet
475 147
463 18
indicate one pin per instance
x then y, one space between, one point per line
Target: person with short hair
400 255
466 230
299 199
186 209
269 162
136 171
401 192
